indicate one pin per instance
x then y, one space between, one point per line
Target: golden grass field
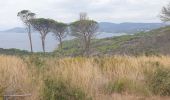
106 78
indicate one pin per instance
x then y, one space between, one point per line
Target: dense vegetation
154 42
13 52
106 78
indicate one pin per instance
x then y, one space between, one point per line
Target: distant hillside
111 27
13 52
15 30
128 27
149 43
153 42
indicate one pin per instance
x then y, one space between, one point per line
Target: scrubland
80 78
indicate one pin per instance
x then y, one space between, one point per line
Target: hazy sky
116 11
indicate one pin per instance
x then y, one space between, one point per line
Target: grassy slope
152 42
106 78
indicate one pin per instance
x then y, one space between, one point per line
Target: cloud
68 10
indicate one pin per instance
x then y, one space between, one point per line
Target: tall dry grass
14 76
95 76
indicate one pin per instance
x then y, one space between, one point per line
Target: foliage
37 61
60 90
43 26
79 78
165 16
13 52
126 85
60 31
25 16
142 43
84 30
117 86
159 81
70 48
81 27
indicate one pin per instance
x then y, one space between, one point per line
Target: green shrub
36 61
158 81
126 85
60 90
117 86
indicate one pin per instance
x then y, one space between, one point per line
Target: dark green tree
42 25
84 29
165 13
60 31
25 16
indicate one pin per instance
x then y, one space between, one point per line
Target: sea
21 41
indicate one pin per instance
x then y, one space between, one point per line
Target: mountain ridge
109 27
128 27
15 30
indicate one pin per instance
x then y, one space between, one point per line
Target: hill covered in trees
150 43
153 42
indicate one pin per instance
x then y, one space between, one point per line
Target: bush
60 90
117 86
128 86
36 61
158 81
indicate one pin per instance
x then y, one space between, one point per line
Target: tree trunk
61 44
87 47
43 43
30 38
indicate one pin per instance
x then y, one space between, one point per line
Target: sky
116 11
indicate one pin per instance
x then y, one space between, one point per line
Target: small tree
165 14
85 30
60 31
43 26
25 16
